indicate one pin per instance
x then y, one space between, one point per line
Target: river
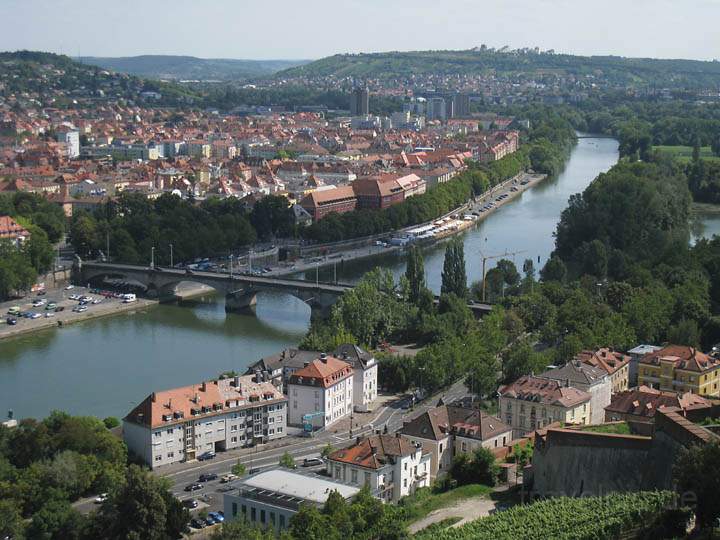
104 367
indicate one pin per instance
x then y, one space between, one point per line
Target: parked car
14 310
216 516
101 498
210 520
49 314
193 487
35 315
74 297
39 302
80 309
190 503
225 478
206 456
12 321
59 309
69 287
312 462
207 477
96 301
42 292
197 523
51 306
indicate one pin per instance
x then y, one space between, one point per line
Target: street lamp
171 255
231 259
152 257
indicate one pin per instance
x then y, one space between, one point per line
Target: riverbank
498 196
58 319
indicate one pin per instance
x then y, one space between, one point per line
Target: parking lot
58 307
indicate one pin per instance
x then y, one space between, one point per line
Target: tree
141 508
111 422
287 461
327 450
696 149
310 524
11 523
554 270
520 359
238 469
696 472
479 467
454 279
415 273
56 519
240 529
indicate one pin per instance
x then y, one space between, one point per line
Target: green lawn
424 501
684 153
621 428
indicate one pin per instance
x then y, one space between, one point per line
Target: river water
104 367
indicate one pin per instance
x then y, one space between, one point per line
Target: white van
129 298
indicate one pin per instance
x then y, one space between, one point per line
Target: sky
310 29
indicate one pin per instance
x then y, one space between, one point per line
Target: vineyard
589 518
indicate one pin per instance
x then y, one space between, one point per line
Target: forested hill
190 67
614 69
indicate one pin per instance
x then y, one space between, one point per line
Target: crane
491 257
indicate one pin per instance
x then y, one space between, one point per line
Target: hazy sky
316 28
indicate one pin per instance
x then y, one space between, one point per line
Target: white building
365 373
182 424
448 430
71 138
324 389
271 498
390 465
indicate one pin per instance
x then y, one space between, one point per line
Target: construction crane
491 257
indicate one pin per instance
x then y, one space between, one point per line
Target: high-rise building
436 109
461 106
360 102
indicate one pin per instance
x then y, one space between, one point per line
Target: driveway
468 509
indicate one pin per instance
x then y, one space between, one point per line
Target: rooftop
288 483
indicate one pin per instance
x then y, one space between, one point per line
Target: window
234 509
171 455
294 404
464 447
158 457
353 476
157 434
262 516
244 510
253 514
272 518
233 428
404 482
367 478
233 439
282 521
169 431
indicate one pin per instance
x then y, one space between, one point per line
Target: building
323 389
680 368
374 192
71 139
321 203
587 378
436 109
272 497
181 424
615 364
533 402
390 465
447 430
461 106
365 375
360 102
635 355
11 230
639 405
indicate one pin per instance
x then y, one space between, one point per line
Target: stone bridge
240 290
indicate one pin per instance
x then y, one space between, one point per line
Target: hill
60 80
190 67
613 70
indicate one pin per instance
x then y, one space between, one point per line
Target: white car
101 498
96 301
70 287
35 316
49 314
39 302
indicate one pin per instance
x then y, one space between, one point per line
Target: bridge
240 290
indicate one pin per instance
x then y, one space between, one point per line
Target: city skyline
223 29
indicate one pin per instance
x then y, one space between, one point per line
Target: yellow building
680 368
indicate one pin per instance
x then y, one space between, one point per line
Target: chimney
169 405
567 383
196 399
323 358
153 397
357 440
203 387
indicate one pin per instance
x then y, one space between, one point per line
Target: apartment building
322 389
614 363
390 465
587 378
320 203
365 375
447 430
680 368
181 424
533 402
11 230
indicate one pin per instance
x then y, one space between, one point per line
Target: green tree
287 461
415 273
111 422
238 469
327 450
554 270
479 467
56 519
696 472
454 279
240 529
11 523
